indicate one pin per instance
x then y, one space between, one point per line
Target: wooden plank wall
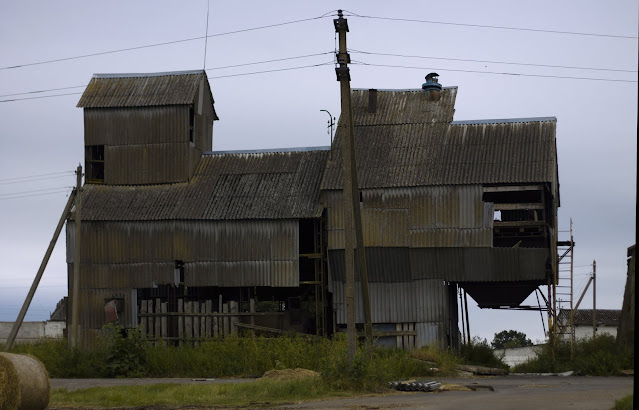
196 321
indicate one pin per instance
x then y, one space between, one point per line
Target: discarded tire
24 382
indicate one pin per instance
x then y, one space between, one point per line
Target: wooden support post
594 298
467 318
209 309
225 309
158 321
36 280
143 319
188 322
233 308
76 260
181 322
196 323
163 331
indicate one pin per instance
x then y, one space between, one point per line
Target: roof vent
431 87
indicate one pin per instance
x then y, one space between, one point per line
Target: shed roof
143 89
410 141
583 317
282 185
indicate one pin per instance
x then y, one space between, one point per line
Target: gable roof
276 185
143 89
415 143
583 317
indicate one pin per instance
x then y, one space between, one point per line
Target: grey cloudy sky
596 120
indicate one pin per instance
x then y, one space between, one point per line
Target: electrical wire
35 190
211 68
40 194
492 62
160 44
32 180
536 30
274 70
494 72
36 176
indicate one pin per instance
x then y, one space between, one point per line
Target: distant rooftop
268 150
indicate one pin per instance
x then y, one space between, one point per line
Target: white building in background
607 322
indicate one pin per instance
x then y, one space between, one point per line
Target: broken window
519 215
94 164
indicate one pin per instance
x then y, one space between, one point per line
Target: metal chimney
431 87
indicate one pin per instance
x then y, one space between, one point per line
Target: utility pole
36 281
352 215
594 298
76 261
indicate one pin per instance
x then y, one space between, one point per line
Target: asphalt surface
510 392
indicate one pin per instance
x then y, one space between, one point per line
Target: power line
36 190
211 68
40 194
37 98
32 180
43 91
160 44
268 61
492 62
495 72
274 70
36 176
536 30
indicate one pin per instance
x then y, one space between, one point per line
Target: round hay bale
24 382
289 374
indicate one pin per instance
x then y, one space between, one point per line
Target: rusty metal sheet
224 187
144 89
399 302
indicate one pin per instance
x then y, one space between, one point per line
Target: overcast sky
596 120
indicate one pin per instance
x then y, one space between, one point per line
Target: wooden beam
513 188
517 206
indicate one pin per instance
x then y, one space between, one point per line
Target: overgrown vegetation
260 393
510 338
480 353
599 356
625 403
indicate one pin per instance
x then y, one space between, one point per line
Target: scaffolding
563 327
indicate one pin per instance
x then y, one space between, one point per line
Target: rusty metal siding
403 107
420 217
136 125
143 90
423 154
274 273
146 164
225 253
398 302
479 264
168 241
225 187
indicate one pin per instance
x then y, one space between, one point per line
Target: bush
598 356
125 351
480 353
61 362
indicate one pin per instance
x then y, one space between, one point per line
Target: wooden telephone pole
352 214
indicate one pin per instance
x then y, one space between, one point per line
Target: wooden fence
195 321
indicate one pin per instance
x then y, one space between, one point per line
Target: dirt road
510 392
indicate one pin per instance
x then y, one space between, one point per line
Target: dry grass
9 385
289 374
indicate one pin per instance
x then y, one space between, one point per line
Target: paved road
76 384
511 392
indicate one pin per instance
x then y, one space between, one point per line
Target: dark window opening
94 164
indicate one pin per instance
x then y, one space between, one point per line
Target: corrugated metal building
444 204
